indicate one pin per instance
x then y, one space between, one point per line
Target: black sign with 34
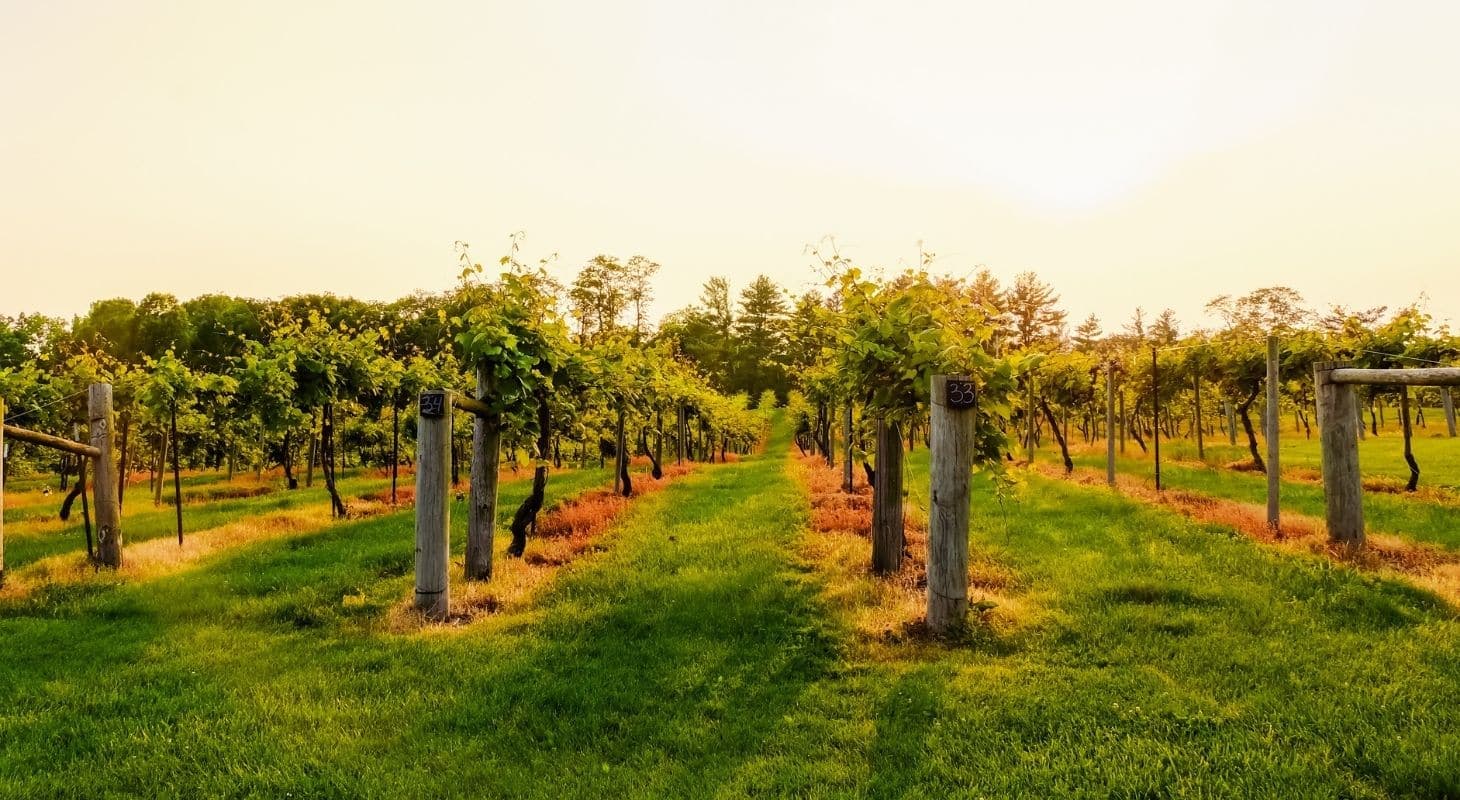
961 394
433 405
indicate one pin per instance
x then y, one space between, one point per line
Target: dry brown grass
565 533
1428 566
887 610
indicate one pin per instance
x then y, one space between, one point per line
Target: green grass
141 520
694 658
1412 517
1379 456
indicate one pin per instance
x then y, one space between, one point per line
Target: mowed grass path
693 658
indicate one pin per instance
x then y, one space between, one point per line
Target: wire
42 407
1402 358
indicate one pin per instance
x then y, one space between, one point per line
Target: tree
1165 331
1087 333
760 339
1032 308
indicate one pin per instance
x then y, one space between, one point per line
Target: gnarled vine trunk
1244 411
526 516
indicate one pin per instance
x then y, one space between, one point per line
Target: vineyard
904 534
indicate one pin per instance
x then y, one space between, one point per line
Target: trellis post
1110 424
1274 472
2 491
952 445
1338 421
433 503
104 486
887 522
481 523
847 458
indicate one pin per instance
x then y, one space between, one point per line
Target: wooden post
2 491
108 511
1231 423
887 530
1033 421
433 504
394 446
1156 414
1120 421
1274 471
177 474
481 514
847 458
1343 491
1447 399
1201 449
1110 424
952 447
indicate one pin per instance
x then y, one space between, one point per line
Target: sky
1150 154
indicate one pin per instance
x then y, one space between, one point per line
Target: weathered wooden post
104 486
952 450
2 491
1156 414
1201 448
887 530
433 503
1033 418
1343 491
1447 399
481 517
1274 471
847 459
1110 424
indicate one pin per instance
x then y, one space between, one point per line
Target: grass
699 651
1427 517
1380 457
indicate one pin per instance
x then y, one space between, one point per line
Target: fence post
433 503
1033 418
104 485
1110 424
1338 421
1274 472
1156 414
887 530
481 518
1447 399
952 445
847 459
1201 447
2 491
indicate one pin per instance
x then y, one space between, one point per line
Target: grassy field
699 653
1379 456
1426 518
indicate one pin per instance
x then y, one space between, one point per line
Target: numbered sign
961 394
433 404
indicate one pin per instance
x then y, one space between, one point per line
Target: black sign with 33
961 394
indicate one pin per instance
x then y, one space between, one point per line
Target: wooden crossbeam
54 442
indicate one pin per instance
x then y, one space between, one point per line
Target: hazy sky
1131 153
